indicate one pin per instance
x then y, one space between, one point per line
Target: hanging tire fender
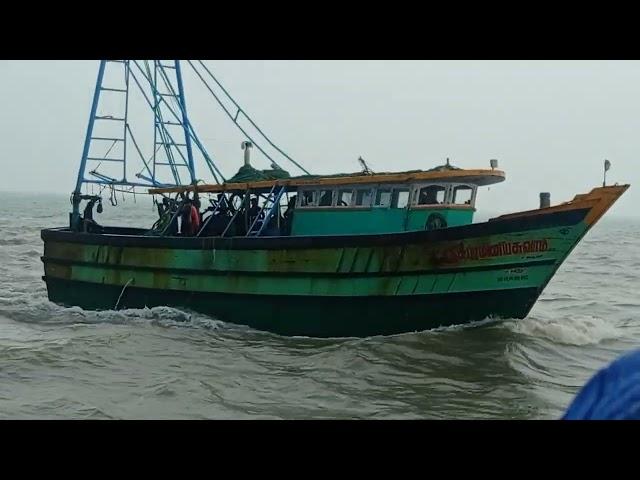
435 221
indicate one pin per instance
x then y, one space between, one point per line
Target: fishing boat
356 254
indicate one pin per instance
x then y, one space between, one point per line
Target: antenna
607 166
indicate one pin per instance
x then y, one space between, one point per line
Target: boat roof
479 177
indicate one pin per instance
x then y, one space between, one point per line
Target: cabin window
431 195
383 197
462 195
363 198
344 198
326 198
308 198
400 198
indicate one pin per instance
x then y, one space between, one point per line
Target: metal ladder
274 200
109 142
169 88
175 153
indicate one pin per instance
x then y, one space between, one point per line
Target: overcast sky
549 123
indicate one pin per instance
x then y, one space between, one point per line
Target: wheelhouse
352 204
382 208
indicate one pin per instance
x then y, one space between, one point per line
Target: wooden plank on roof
479 177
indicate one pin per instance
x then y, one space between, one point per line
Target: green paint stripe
498 279
265 273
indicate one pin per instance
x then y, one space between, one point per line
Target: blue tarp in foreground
612 394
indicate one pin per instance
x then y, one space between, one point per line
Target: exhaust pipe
545 200
247 146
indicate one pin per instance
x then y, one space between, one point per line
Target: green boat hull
327 286
312 316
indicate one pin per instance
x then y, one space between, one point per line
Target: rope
244 114
123 289
112 196
155 78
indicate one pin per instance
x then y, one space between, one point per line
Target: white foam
570 330
163 316
43 311
465 326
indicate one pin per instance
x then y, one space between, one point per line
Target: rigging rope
241 110
156 78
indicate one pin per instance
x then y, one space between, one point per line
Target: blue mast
185 121
163 92
75 214
177 154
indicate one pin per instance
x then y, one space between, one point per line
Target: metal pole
155 121
126 119
270 213
185 122
243 204
192 132
261 210
75 214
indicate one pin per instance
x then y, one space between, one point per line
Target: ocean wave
66 362
15 241
44 312
568 330
32 252
166 317
465 326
